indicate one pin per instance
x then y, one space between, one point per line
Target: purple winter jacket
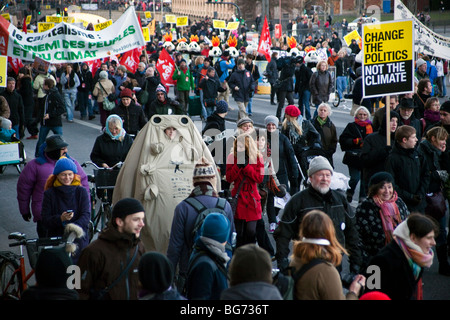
31 183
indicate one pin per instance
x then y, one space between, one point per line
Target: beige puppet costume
158 172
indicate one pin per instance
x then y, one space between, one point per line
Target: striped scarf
390 215
367 124
417 259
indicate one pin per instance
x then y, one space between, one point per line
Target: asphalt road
81 136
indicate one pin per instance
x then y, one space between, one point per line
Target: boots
444 266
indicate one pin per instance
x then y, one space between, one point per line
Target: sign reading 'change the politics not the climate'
388 58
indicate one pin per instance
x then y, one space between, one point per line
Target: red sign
265 43
165 67
278 31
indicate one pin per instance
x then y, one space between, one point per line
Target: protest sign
219 24
66 43
388 58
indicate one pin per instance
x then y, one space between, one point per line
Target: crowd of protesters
72 90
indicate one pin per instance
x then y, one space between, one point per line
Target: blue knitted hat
216 226
221 106
64 164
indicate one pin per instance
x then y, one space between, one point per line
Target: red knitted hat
126 93
374 295
292 111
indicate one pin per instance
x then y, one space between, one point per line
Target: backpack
203 212
286 282
218 68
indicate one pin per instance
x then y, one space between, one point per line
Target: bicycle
102 183
13 276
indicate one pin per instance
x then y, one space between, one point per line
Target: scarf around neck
367 124
203 188
390 215
416 257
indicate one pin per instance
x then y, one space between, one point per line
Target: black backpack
203 212
217 67
286 282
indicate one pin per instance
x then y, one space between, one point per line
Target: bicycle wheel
336 100
10 283
91 230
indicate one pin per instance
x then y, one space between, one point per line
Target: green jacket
185 81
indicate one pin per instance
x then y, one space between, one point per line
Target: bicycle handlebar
40 242
118 164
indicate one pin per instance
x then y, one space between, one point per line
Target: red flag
265 43
94 65
16 64
165 67
130 59
24 26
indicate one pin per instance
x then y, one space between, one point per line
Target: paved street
81 136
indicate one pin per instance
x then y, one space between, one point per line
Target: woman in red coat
245 162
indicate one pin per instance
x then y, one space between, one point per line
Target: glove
416 200
357 141
27 217
443 175
283 264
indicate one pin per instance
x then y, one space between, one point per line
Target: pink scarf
390 215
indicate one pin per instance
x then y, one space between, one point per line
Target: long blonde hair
318 225
294 122
251 149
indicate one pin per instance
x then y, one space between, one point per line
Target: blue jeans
249 106
303 101
341 84
43 133
355 177
69 99
85 104
204 112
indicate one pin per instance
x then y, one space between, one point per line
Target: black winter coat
86 80
109 151
16 108
133 117
411 175
150 86
26 91
396 275
335 205
55 108
244 81
302 77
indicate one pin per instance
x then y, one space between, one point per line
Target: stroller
303 159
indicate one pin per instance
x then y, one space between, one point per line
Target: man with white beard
318 196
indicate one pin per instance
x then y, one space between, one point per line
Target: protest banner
66 43
425 40
388 58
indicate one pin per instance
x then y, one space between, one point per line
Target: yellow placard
3 71
232 26
6 16
44 26
54 19
352 35
170 18
147 14
388 58
146 33
388 42
28 20
182 21
102 25
69 19
48 7
152 27
219 24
